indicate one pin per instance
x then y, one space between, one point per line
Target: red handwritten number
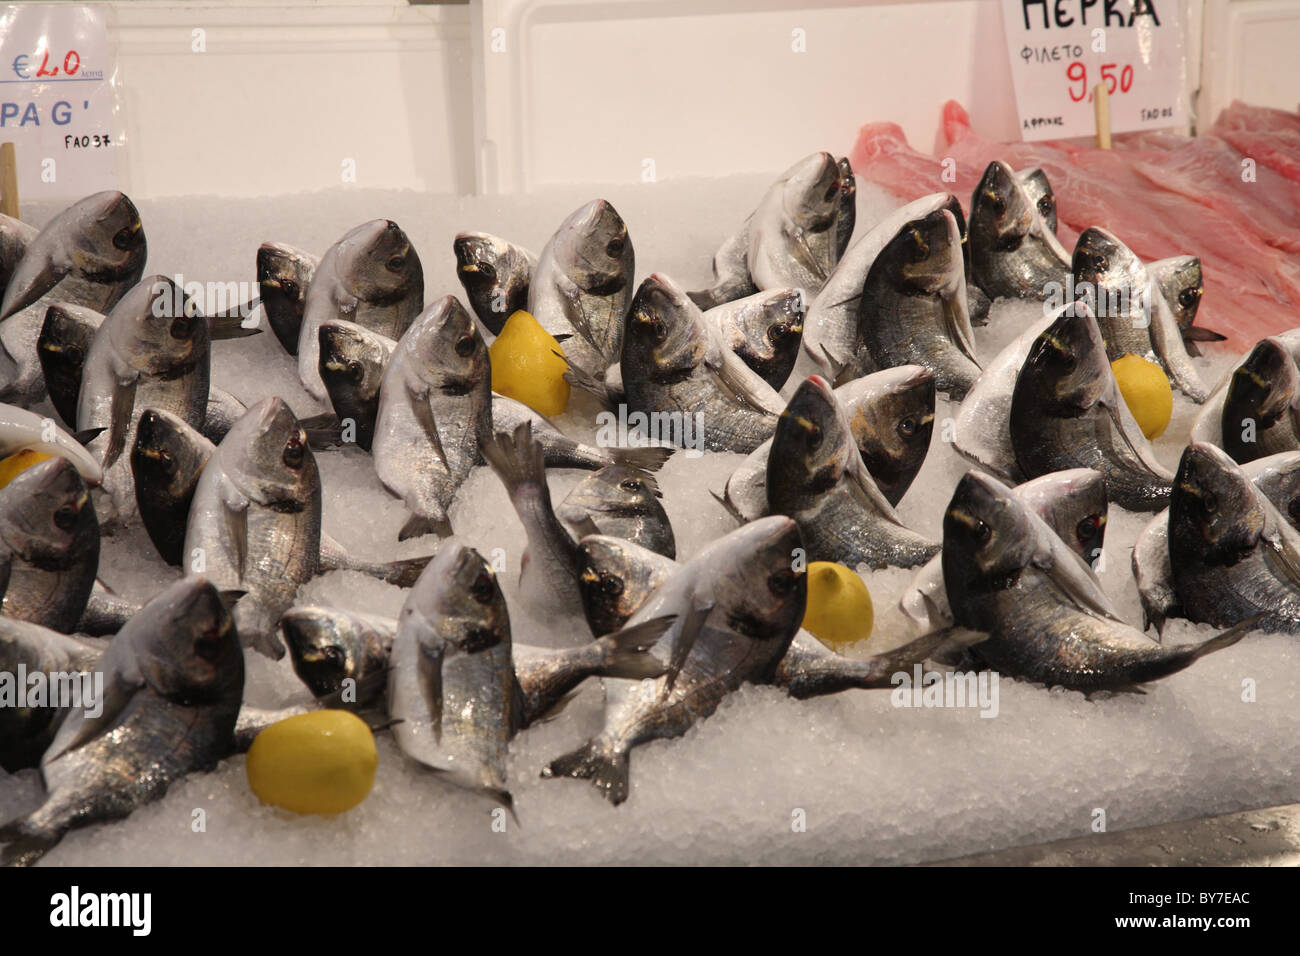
1078 73
1108 74
71 62
44 62
1126 79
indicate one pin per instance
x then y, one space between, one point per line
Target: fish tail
403 573
254 631
24 844
230 325
607 770
626 650
581 379
1229 637
417 526
649 459
517 459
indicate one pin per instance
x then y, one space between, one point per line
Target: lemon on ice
839 611
1146 391
526 368
18 462
321 762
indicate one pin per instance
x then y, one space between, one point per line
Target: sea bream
173 682
674 364
816 475
764 329
496 275
1261 407
623 502
283 276
1042 625
1073 506
583 283
88 255
1180 281
1014 252
1067 412
891 415
736 606
373 277
1210 421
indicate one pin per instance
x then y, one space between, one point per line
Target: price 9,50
1077 74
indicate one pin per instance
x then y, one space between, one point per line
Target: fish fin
230 325
323 430
730 508
122 405
1227 638
29 282
649 459
234 508
627 657
580 378
401 572
867 491
607 771
742 383
690 626
517 459
24 847
1198 333
417 526
87 435
957 324
230 597
583 526
1117 418
424 416
1282 559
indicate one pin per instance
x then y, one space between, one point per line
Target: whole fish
1261 407
1042 627
1071 503
1182 286
167 458
737 607
49 545
254 522
891 415
1014 252
1209 423
435 408
173 681
582 284
21 429
1066 412
1130 309
1234 556
674 364
1039 190
283 276
89 255
816 476
152 351
914 310
496 275
764 329
373 277
622 502
793 234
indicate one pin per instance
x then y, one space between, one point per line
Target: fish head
593 249
953 205
378 263
1264 387
1066 371
988 536
185 644
759 582
47 516
1182 285
1278 479
924 257
267 454
1214 504
615 577
329 646
813 446
666 334
617 489
352 359
1039 191
168 453
1001 215
810 193
283 274
449 353
459 604
1108 275
1074 503
158 329
773 324
892 424
489 267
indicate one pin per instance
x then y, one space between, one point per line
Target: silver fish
731 278
152 351
1039 190
89 255
1041 626
373 277
793 233
737 607
167 458
1066 412
496 275
1208 425
223 411
1182 286
62 346
673 362
583 283
816 476
622 502
764 329
1014 252
1261 407
21 429
173 680
435 409
49 545
615 577
254 522
891 415
15 235
914 310
283 276
352 364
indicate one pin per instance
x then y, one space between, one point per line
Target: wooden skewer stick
8 180
1101 104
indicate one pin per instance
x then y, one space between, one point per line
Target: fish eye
611 585
122 240
294 452
1293 508
920 252
65 518
782 582
180 328
814 439
1100 263
356 371
75 354
1210 503
631 484
907 427
334 655
465 346
1045 205
981 532
1086 530
999 204
208 647
289 288
777 332
168 461
395 264
482 588
614 249
1188 297
487 271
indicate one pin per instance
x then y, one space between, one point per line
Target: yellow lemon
321 762
17 462
526 368
1146 391
839 612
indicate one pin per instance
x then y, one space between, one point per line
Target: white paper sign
1061 49
57 99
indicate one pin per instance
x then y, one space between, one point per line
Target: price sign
57 99
1061 49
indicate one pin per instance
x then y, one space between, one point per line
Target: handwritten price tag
1061 49
57 99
